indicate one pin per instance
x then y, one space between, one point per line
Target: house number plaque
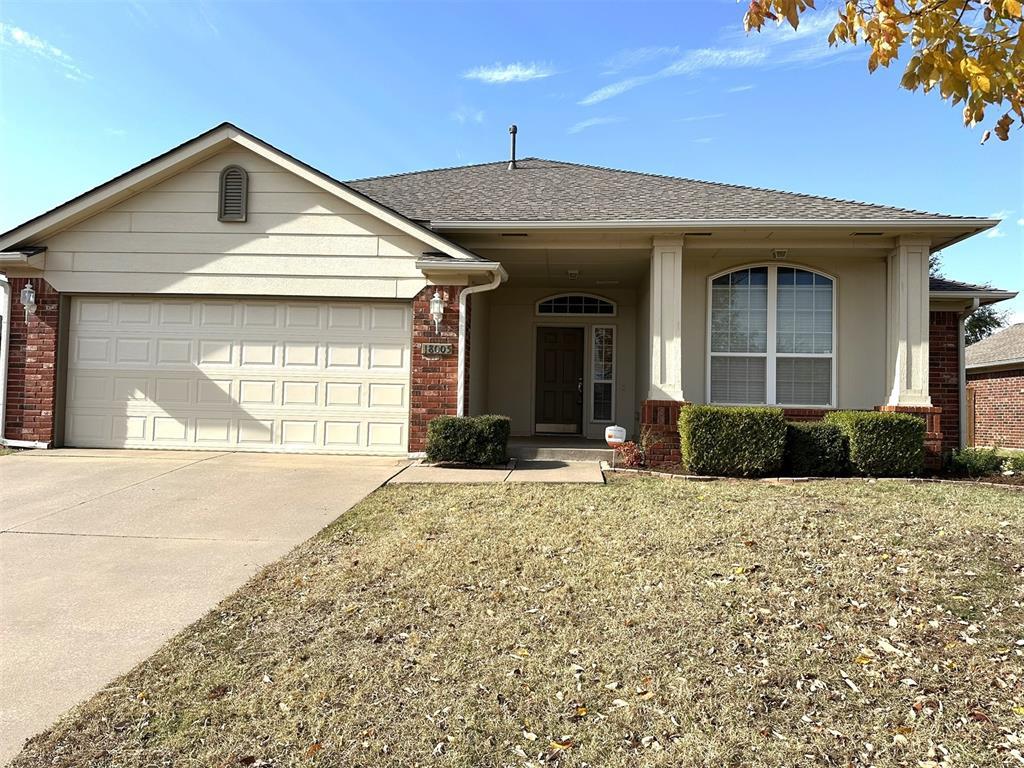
436 350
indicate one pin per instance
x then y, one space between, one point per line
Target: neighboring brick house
995 389
227 296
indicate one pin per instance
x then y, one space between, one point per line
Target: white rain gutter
962 368
460 397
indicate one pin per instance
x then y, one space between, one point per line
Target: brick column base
659 431
434 380
933 440
32 365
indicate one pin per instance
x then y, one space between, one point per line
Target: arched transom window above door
575 305
772 337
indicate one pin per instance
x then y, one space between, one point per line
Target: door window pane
603 372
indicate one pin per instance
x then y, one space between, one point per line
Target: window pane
738 379
602 401
603 372
739 311
575 304
803 312
803 381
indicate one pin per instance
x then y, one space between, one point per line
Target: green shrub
882 444
1014 463
975 462
469 439
735 442
816 449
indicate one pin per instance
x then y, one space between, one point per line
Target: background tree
972 51
981 323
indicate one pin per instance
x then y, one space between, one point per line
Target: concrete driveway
104 555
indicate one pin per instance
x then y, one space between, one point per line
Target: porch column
666 320
433 381
907 324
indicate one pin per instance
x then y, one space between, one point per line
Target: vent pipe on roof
512 132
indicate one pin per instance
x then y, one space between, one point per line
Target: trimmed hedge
734 442
975 462
816 449
882 444
469 439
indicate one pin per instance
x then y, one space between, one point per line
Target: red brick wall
32 365
944 374
434 380
998 408
659 430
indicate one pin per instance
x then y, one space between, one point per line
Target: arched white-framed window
233 203
576 305
771 337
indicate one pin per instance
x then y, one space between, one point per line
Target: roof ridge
433 170
805 195
667 177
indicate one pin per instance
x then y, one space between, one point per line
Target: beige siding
479 335
299 241
860 321
643 339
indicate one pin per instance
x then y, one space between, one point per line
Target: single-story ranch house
226 295
995 389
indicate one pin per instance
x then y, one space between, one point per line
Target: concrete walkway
104 555
514 472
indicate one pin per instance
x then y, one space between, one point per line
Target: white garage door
326 377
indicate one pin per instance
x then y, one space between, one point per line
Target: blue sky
88 90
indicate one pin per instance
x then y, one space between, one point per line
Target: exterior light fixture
437 311
28 300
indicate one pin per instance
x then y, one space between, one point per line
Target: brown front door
559 380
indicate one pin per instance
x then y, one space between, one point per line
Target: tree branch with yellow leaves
970 50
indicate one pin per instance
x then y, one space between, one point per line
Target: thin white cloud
516 72
703 140
634 57
997 231
18 38
773 47
115 132
698 118
582 125
739 88
692 63
1020 221
464 115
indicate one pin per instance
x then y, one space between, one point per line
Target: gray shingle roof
547 190
955 286
1004 346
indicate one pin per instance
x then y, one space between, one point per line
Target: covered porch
590 327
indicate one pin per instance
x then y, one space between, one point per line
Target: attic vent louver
234 194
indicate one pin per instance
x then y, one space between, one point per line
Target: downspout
460 396
5 341
962 367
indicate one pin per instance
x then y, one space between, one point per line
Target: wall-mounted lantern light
28 300
437 311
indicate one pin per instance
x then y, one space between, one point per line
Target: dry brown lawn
643 623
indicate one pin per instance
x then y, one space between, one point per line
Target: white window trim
615 367
770 352
538 313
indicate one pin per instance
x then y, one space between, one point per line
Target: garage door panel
239 375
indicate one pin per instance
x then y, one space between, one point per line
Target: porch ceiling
596 268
